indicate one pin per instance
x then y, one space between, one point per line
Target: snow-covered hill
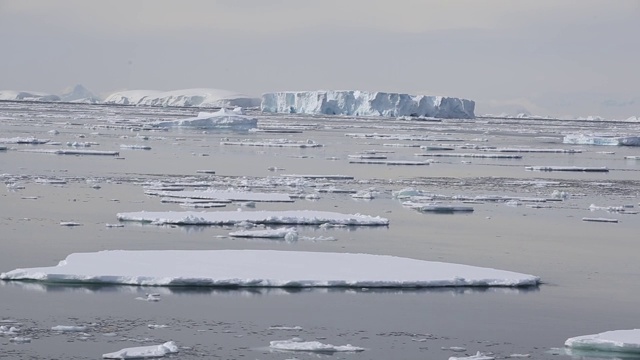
79 94
13 95
188 97
362 103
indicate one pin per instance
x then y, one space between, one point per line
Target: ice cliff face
187 97
362 103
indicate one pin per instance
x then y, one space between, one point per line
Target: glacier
200 97
12 95
363 103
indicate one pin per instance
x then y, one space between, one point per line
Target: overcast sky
547 57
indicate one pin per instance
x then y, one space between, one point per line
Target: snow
292 217
264 268
221 119
143 352
311 346
11 95
617 341
200 97
582 139
363 103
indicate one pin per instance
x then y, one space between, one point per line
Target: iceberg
11 95
222 119
264 268
627 341
201 97
363 103
291 217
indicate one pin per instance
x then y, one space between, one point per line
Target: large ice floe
144 352
264 268
297 344
287 217
627 341
202 97
582 139
363 103
221 119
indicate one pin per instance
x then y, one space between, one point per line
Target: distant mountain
79 94
13 95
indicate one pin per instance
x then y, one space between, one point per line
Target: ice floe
315 177
471 155
222 119
477 356
291 217
362 103
567 168
264 268
281 233
135 147
297 344
73 152
606 220
390 162
275 143
24 140
69 328
622 341
144 352
582 139
214 195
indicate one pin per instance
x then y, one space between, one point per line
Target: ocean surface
589 270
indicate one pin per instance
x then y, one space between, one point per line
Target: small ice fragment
20 340
114 225
69 328
280 327
150 297
607 220
157 326
69 223
519 355
455 348
477 356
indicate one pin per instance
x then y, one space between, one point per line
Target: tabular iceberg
187 97
362 103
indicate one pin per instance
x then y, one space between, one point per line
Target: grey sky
550 57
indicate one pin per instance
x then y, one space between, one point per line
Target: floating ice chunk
594 207
149 297
222 119
627 341
533 150
327 177
280 233
362 103
567 168
368 157
80 144
455 348
601 140
557 194
311 346
69 328
157 326
210 172
135 147
477 356
390 162
607 220
8 330
21 140
292 217
280 327
471 155
634 157
114 225
407 193
363 194
317 238
264 268
275 143
73 152
519 356
20 340
70 223
445 209
144 352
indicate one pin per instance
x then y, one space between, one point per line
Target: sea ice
222 119
471 155
73 152
265 234
287 217
144 352
311 346
627 341
135 147
285 143
567 168
362 103
226 196
69 328
477 356
607 220
264 268
390 162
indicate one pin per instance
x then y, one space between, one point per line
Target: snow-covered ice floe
311 346
363 103
567 168
281 233
287 217
390 162
471 155
602 140
222 119
264 268
24 140
199 97
285 143
624 341
144 352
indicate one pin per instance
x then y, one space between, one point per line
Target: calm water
589 270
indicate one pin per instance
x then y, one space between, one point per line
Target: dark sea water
589 270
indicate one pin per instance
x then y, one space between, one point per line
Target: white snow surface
311 346
263 268
200 97
363 103
144 352
292 217
222 119
615 341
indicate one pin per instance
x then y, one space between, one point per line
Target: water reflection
254 291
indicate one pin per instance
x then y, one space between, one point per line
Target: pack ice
202 97
363 103
264 268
